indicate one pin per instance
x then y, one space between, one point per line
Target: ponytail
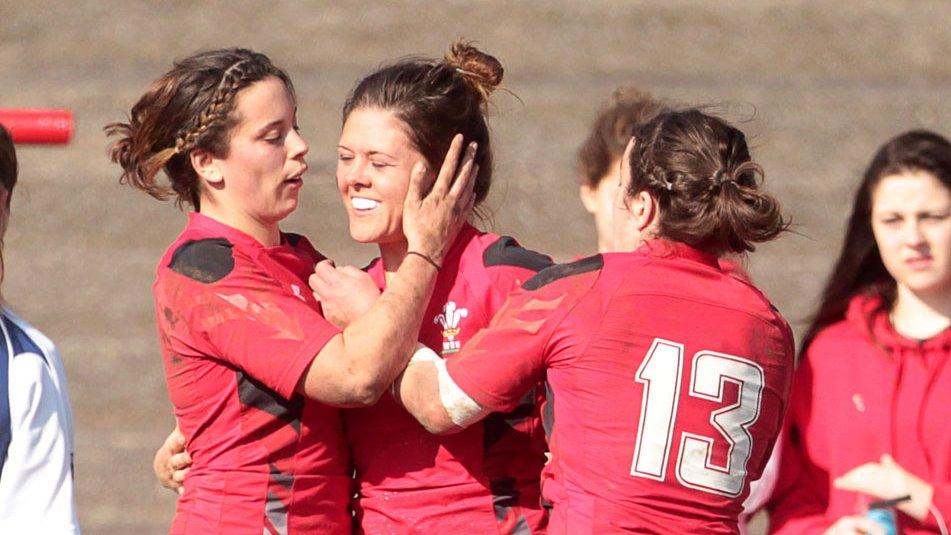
707 187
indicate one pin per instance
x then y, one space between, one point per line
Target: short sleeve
247 319
501 362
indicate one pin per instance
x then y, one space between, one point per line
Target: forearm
382 340
417 389
429 394
356 367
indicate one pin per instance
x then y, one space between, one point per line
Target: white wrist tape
462 409
424 354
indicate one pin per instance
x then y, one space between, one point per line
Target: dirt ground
817 85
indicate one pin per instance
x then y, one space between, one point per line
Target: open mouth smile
362 204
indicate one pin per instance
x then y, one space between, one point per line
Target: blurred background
817 86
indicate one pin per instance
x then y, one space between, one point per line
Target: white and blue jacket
36 433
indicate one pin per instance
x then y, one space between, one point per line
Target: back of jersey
670 381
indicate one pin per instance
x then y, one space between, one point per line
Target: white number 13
661 373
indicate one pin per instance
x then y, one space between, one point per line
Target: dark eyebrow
371 153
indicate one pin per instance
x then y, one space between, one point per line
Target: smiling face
911 221
261 175
375 158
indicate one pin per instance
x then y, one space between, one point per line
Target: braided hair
190 107
699 169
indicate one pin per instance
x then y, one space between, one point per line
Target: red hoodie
864 390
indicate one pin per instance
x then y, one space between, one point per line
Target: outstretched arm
492 372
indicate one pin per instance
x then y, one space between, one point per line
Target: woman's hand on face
172 462
431 221
854 525
886 479
344 293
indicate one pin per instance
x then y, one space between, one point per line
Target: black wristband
426 258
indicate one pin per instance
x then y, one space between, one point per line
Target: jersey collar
200 221
676 249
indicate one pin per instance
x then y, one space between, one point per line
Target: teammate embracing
670 377
486 479
255 373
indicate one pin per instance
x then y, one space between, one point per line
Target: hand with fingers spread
172 463
344 293
432 221
855 525
886 479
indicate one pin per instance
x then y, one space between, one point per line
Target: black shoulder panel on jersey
292 239
560 271
205 261
507 252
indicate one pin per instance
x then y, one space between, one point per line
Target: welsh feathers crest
449 321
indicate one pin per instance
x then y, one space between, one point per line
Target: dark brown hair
859 268
629 109
8 179
8 163
190 107
699 169
437 99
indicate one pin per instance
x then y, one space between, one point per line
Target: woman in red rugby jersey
669 376
869 414
599 163
249 360
484 480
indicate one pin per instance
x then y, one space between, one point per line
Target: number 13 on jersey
660 373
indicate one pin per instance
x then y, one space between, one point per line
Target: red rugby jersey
238 327
485 479
669 383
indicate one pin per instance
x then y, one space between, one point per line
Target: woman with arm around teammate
250 362
869 411
669 376
484 480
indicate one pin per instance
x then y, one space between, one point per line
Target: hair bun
483 71
630 95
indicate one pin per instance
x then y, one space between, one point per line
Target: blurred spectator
869 411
